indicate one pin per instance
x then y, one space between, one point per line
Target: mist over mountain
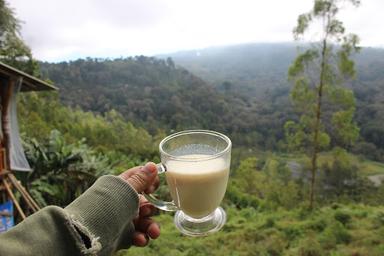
249 68
255 67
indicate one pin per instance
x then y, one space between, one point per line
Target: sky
58 30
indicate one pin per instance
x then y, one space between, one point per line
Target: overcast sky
64 30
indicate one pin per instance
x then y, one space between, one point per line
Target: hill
253 68
145 90
243 92
249 68
259 71
156 94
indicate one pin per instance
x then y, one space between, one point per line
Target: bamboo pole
27 197
12 196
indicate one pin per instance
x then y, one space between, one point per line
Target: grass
331 230
372 168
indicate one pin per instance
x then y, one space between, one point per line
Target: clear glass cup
196 165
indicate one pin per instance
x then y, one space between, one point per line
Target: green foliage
61 171
340 177
145 90
269 188
335 234
310 247
317 80
151 93
342 217
13 50
286 233
346 130
41 113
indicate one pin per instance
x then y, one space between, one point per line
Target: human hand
143 179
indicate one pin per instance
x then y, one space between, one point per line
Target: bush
310 247
317 225
274 245
378 220
335 234
342 217
292 232
269 223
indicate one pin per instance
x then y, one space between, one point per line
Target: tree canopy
13 50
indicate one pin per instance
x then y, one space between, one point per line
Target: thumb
143 178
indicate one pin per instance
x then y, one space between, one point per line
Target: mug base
200 227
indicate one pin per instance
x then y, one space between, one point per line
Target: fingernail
151 168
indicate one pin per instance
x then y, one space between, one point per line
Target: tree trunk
317 126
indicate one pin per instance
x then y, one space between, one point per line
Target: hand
143 179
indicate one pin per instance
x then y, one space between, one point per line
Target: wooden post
5 119
13 198
27 197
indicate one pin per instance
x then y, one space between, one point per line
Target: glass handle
162 205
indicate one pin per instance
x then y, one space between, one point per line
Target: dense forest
260 71
252 106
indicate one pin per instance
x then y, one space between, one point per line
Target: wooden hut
12 158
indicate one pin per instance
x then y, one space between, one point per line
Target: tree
326 108
13 50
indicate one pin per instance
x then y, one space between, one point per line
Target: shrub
310 247
378 220
274 245
269 223
335 234
317 225
292 232
342 217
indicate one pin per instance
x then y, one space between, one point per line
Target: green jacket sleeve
97 223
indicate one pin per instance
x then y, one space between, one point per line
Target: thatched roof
30 83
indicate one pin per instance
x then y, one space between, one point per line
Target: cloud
61 30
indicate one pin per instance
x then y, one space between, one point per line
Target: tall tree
13 50
319 72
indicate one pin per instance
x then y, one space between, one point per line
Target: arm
97 223
91 224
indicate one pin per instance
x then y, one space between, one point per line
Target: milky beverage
197 187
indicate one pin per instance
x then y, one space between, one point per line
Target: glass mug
196 165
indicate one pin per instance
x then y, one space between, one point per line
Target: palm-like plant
62 171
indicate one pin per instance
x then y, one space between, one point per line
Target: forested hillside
154 93
250 69
246 96
145 90
256 67
260 71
